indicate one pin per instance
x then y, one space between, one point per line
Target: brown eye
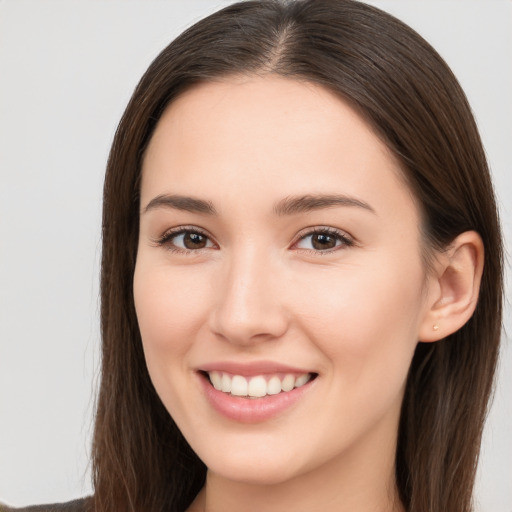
324 239
186 240
194 240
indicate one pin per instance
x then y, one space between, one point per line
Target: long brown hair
407 93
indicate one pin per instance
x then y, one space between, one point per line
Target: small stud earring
436 327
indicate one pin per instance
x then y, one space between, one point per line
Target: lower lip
252 410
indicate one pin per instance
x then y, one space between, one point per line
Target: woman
296 195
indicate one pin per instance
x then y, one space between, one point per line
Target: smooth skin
338 287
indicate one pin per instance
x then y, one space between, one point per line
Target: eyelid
168 235
346 239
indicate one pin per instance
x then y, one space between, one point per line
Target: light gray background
67 69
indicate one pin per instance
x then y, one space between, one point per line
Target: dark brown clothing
82 505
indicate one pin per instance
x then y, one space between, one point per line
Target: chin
254 473
261 462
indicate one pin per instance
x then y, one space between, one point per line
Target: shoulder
81 505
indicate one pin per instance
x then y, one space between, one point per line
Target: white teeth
239 386
288 383
216 379
257 386
274 386
303 379
226 383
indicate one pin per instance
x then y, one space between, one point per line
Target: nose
248 306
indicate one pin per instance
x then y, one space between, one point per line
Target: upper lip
248 369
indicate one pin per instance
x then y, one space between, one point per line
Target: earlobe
455 287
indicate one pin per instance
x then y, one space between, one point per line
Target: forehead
249 111
244 135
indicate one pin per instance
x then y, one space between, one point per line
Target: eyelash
166 238
340 236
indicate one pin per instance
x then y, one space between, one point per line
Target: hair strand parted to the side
408 95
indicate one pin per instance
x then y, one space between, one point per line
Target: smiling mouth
257 386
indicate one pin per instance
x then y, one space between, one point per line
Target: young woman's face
279 257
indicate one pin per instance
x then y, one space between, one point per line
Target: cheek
364 322
170 311
365 319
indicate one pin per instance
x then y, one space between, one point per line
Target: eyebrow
287 206
185 203
301 204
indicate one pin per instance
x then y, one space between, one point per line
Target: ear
453 287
